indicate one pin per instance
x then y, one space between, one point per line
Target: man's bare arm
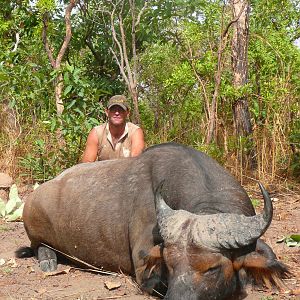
91 148
137 142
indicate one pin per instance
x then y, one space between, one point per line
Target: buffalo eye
212 270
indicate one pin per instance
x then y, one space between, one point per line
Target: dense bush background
177 55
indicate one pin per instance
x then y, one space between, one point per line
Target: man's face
116 115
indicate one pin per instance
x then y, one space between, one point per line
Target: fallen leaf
65 271
112 285
42 291
30 269
12 263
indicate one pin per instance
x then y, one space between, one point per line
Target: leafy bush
57 142
13 209
292 240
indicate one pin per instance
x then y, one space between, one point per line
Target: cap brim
118 104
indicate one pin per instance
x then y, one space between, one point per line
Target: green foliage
177 45
13 209
292 240
64 137
212 150
46 5
4 228
42 163
255 202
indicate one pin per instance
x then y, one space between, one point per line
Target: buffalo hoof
47 259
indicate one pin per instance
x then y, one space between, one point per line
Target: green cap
118 100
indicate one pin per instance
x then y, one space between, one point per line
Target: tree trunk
58 91
56 63
240 43
136 112
212 107
240 64
121 49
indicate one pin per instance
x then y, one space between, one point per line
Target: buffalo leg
47 259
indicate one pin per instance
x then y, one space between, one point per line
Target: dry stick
82 262
131 282
134 284
114 297
75 294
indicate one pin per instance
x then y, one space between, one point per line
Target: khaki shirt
106 149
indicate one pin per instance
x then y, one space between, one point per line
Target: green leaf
81 93
17 214
70 68
40 143
255 202
2 208
11 205
71 104
68 90
13 192
290 242
3 77
14 201
295 237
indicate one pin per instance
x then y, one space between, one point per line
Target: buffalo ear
154 252
263 266
150 273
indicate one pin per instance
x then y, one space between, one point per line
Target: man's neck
116 131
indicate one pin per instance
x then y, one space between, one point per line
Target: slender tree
121 19
240 42
237 54
56 62
123 46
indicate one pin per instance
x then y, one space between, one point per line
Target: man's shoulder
132 129
100 131
102 125
132 126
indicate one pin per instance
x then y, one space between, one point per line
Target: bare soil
22 279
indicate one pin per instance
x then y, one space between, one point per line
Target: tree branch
120 67
234 20
125 55
45 40
68 33
120 61
138 19
17 42
133 45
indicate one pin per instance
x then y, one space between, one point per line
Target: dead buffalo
196 233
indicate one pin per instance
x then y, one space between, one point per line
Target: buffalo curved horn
217 231
163 211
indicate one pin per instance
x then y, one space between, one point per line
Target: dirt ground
22 279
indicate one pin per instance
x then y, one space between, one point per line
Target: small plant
3 229
13 209
292 240
7 270
255 202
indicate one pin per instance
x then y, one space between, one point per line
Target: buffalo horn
217 231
